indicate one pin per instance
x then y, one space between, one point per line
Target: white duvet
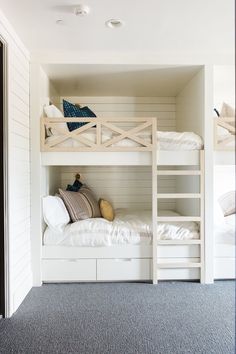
165 140
132 228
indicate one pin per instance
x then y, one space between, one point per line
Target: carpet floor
169 318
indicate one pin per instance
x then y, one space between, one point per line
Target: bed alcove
173 94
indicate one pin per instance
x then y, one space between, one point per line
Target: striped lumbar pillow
77 205
92 201
80 205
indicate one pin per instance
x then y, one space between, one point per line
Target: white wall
161 107
194 111
124 186
190 106
190 117
20 274
224 85
41 93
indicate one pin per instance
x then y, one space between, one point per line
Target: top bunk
115 141
135 114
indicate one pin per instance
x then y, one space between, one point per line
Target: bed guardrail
90 136
224 141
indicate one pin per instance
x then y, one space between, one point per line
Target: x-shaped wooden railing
142 132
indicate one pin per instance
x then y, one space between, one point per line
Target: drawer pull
123 259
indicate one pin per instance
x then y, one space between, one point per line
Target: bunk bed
224 222
224 228
125 141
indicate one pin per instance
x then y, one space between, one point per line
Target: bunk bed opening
135 155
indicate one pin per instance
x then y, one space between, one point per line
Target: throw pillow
106 210
71 110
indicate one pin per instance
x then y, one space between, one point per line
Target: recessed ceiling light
59 22
114 23
81 10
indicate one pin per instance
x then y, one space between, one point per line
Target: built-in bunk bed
137 245
224 194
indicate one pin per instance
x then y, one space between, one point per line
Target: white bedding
165 140
132 228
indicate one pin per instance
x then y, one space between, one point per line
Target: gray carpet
123 318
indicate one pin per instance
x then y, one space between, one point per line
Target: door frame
5 169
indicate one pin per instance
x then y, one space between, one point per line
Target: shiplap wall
20 274
161 107
41 92
124 186
127 187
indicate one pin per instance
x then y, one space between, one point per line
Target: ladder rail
201 241
154 201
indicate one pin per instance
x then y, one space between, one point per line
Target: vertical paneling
20 281
161 107
124 186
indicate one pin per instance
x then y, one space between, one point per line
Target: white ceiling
119 80
155 26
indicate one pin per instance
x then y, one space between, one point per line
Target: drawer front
123 269
69 270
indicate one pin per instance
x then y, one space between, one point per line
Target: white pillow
227 203
52 111
55 213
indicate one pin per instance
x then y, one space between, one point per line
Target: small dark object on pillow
76 185
217 112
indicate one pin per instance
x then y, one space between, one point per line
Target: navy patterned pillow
71 110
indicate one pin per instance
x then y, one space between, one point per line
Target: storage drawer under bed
123 269
68 270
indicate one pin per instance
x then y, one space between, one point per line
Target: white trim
209 163
6 174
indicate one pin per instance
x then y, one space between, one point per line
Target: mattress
165 140
133 228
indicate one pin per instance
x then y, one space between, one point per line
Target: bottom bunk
121 250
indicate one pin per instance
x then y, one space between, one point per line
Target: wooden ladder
159 243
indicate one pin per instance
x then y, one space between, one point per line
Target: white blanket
165 140
128 228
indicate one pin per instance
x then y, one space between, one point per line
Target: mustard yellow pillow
106 210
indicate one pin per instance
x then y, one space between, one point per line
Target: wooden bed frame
98 124
91 264
224 122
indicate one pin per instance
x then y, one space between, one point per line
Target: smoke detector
81 10
114 23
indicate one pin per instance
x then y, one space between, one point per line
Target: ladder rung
179 265
178 218
179 242
179 195
178 172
